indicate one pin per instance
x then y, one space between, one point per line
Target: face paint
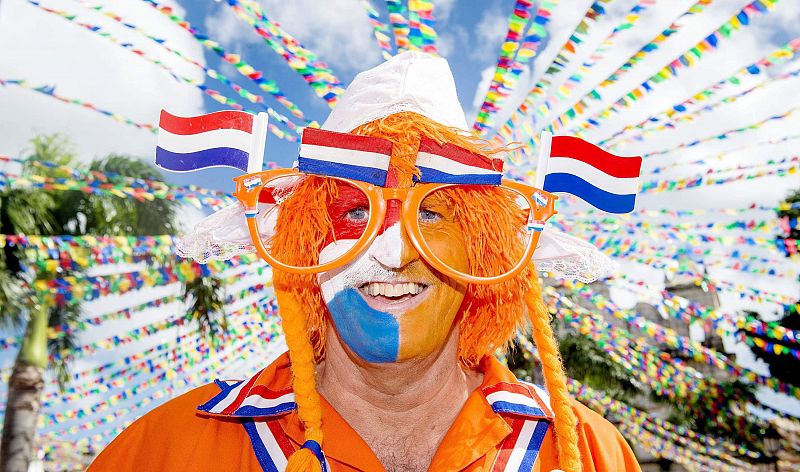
388 305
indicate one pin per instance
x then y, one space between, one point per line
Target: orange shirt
178 437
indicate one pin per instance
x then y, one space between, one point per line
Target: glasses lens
476 230
307 221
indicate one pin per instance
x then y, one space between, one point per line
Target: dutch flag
348 156
571 165
220 139
450 164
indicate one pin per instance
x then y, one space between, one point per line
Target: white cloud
443 9
452 38
338 31
45 49
489 34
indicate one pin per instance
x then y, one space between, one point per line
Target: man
401 263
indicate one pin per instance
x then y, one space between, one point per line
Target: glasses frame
249 186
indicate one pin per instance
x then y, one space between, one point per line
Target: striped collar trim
519 399
247 399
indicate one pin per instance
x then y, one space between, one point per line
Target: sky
45 49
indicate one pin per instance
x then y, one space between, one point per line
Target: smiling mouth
382 295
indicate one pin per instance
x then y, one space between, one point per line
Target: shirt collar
267 394
482 424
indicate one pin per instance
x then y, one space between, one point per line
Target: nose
392 248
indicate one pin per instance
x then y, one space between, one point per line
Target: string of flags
694 349
243 67
527 108
50 90
379 29
214 94
725 134
91 185
398 14
779 56
708 446
565 90
269 86
526 47
421 33
687 117
302 60
686 60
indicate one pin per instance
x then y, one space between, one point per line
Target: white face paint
375 264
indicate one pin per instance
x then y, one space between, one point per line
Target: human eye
357 214
429 216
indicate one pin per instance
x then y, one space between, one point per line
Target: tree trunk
25 395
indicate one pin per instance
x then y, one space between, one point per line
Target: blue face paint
373 335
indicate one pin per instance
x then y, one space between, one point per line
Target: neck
393 397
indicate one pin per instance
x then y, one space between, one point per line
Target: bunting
379 30
688 59
400 28
508 50
50 90
421 33
266 85
244 68
214 94
680 115
303 61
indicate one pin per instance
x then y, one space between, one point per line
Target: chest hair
401 453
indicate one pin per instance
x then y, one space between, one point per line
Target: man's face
389 305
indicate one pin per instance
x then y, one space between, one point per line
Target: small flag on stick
221 139
571 165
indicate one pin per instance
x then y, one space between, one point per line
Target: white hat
411 81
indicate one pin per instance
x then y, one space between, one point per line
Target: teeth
393 290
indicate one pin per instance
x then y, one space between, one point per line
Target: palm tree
45 212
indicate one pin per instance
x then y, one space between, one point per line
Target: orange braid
301 353
566 424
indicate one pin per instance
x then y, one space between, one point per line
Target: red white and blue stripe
604 180
245 399
451 164
515 398
270 444
529 415
349 156
220 139
258 407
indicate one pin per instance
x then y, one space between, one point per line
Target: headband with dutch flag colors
349 156
451 164
366 158
220 139
604 180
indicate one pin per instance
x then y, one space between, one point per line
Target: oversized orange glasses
309 224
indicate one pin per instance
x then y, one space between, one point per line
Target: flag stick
255 162
544 156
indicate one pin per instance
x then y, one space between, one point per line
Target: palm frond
207 304
62 319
